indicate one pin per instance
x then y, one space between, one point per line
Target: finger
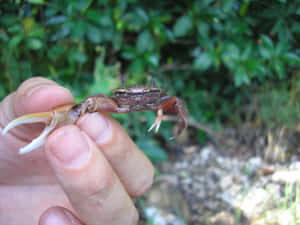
34 95
91 185
130 163
59 216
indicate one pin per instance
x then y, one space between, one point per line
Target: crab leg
171 105
157 121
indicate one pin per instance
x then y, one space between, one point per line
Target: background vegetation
231 61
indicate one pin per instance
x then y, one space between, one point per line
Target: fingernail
71 218
70 147
31 90
96 126
60 217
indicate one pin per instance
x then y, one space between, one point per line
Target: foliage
213 54
279 104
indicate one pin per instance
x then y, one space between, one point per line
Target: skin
87 173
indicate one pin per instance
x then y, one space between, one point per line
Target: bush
213 54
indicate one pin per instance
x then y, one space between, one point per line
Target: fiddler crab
125 100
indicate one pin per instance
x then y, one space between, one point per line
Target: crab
127 99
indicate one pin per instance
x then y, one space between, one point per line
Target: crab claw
44 117
29 118
37 142
65 114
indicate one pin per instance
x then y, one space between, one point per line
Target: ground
234 181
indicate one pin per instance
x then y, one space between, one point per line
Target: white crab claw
37 142
30 118
44 117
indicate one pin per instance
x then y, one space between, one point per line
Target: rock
166 199
255 202
162 217
222 217
254 164
226 181
278 217
286 176
205 154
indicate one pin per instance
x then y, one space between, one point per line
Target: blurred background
235 63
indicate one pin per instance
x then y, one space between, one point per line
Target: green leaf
145 42
37 2
227 5
265 53
138 19
142 15
82 5
55 51
78 56
231 55
152 150
137 66
182 26
15 41
281 47
49 12
279 68
16 28
129 53
252 65
37 32
107 34
61 34
34 44
79 28
241 77
56 20
94 34
203 62
291 58
267 42
93 15
153 60
203 29
101 18
118 41
246 54
4 36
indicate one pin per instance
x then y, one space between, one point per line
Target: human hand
86 173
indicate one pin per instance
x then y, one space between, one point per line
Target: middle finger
130 163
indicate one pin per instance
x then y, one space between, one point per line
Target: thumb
34 95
